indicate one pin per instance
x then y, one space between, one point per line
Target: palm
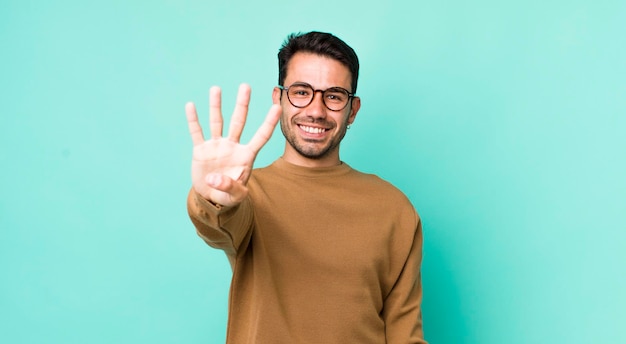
221 166
220 157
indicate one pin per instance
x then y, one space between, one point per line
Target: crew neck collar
312 172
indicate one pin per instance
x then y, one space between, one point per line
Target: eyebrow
316 88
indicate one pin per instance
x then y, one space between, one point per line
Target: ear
276 95
356 105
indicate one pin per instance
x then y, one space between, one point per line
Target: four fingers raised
238 119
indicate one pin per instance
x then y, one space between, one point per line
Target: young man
320 252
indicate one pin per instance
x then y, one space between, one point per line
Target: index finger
266 129
194 127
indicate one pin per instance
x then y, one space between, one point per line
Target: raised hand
221 166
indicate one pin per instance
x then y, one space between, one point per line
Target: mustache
313 120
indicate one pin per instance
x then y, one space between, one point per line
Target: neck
328 160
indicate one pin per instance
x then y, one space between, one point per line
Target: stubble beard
312 150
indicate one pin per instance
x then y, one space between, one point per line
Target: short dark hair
320 43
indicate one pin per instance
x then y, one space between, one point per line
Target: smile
312 130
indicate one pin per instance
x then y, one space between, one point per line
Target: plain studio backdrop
503 122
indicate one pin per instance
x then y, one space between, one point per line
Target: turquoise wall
504 122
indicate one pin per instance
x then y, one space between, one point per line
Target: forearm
225 228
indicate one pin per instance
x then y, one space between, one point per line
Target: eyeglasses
301 95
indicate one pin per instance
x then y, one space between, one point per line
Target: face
313 133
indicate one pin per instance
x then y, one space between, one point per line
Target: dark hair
320 43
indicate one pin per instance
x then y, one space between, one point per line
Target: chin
315 153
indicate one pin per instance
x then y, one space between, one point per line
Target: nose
316 108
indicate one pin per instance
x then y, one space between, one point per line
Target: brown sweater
319 255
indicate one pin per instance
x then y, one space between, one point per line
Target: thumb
229 191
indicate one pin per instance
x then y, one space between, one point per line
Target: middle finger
215 112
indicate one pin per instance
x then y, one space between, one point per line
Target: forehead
318 71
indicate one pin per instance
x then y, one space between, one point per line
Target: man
320 252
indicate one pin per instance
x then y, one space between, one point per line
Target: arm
220 169
402 310
224 228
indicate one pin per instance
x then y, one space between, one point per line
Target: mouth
312 130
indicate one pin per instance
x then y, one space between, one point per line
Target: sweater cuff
209 206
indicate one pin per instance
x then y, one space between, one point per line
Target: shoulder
384 193
379 185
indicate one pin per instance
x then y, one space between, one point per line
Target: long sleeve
228 229
402 308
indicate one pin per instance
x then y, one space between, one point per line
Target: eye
299 91
336 96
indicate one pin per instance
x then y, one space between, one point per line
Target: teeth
312 130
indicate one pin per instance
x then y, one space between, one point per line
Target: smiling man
320 252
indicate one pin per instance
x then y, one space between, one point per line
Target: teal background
504 123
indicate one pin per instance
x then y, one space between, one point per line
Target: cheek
290 111
287 115
287 107
345 118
